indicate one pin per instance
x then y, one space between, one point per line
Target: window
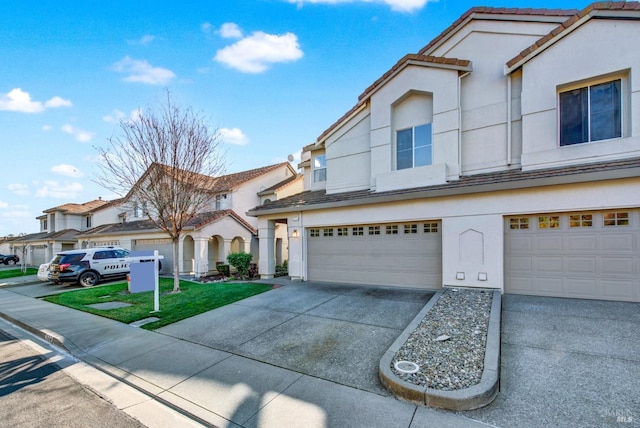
88 224
374 230
320 168
392 229
548 222
519 223
314 233
219 199
616 219
343 231
413 147
581 220
410 228
357 231
44 224
430 228
327 232
591 113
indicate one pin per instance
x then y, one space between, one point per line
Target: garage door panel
581 265
598 258
617 243
617 265
582 243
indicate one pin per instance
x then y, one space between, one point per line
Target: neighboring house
212 235
504 154
59 227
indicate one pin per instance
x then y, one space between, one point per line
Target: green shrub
241 262
223 269
282 270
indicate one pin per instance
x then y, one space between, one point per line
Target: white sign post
156 292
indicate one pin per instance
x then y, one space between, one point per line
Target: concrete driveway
567 362
330 331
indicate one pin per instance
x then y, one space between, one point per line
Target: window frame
429 145
587 87
319 172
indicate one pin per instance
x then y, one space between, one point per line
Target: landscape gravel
449 343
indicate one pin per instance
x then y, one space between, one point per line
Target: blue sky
271 75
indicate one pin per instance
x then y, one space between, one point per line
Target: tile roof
84 208
578 18
281 184
148 226
467 184
62 235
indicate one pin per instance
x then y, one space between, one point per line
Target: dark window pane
405 139
574 117
606 118
405 159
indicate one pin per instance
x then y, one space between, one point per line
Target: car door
102 262
121 261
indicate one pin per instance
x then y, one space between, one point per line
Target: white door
403 255
590 255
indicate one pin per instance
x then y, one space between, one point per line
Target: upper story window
44 224
591 113
320 168
220 198
413 147
88 224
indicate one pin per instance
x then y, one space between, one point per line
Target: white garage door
590 255
164 248
404 255
39 255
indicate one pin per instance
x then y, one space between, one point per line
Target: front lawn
12 273
195 298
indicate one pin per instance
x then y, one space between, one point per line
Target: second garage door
589 255
404 255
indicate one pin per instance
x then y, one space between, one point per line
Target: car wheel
10 262
88 279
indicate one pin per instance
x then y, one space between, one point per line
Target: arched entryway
188 254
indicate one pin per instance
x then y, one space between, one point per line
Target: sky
269 75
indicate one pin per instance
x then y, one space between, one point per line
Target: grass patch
195 298
12 273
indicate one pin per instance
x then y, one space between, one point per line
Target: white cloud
3 205
79 134
115 117
20 101
53 189
255 53
397 5
19 189
47 127
67 170
57 102
206 27
229 30
143 72
144 40
234 136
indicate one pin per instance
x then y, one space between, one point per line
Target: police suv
89 266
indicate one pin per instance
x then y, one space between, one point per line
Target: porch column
201 256
226 249
266 236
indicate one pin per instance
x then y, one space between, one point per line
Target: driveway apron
567 362
334 332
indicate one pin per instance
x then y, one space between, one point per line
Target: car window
71 258
99 255
121 253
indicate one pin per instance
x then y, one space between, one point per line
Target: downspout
509 107
460 121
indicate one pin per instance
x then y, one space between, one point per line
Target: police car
89 266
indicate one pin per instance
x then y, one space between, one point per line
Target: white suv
89 266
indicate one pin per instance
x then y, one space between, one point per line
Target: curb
470 398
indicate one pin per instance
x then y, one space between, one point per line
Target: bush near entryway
241 262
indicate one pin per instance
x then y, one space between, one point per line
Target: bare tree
167 159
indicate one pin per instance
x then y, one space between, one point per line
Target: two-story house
60 226
214 233
504 154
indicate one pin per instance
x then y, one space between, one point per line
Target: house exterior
504 154
59 227
213 234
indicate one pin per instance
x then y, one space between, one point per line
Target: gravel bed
449 343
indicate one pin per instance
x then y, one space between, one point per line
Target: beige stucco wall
570 61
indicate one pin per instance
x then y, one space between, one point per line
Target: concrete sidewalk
214 386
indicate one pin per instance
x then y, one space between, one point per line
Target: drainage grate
406 367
